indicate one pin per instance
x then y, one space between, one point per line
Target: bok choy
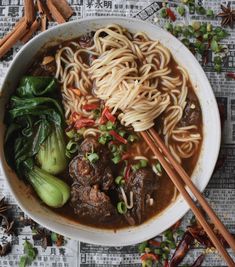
34 136
51 155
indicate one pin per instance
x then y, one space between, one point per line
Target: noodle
133 75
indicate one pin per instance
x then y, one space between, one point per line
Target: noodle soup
111 84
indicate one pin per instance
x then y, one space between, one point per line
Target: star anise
228 16
5 249
3 206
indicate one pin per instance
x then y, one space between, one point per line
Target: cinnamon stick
34 27
43 23
43 9
60 10
15 36
6 37
29 11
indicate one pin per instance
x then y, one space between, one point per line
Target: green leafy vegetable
35 121
51 190
31 86
51 155
30 254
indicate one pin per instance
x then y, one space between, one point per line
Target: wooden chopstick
180 186
201 200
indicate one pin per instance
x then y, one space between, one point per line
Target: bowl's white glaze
201 175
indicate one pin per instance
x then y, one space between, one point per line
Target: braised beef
192 112
90 144
43 70
142 183
92 203
87 173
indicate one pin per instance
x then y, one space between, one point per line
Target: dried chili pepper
182 249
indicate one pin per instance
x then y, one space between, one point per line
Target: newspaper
221 189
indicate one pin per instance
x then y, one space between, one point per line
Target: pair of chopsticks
181 179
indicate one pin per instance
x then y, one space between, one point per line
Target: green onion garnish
122 133
181 10
119 180
96 113
121 207
112 147
102 128
110 125
210 13
70 134
116 159
135 167
132 138
102 140
142 246
158 251
163 13
72 146
158 167
143 163
93 157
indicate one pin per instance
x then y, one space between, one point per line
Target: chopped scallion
112 147
93 157
135 167
116 159
132 138
142 246
121 207
72 146
210 13
163 13
102 128
181 10
122 133
158 167
110 125
102 140
119 180
158 251
143 163
70 133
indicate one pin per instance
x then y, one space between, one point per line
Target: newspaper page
221 189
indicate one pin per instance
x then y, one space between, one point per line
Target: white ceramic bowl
201 175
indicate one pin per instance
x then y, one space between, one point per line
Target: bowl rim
185 207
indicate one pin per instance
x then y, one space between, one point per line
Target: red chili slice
75 116
118 137
89 107
154 243
125 156
108 115
170 14
83 122
166 263
149 256
231 75
127 172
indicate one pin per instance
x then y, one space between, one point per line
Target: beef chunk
142 183
192 111
90 144
91 203
42 69
87 173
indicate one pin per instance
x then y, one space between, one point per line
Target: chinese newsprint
221 189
